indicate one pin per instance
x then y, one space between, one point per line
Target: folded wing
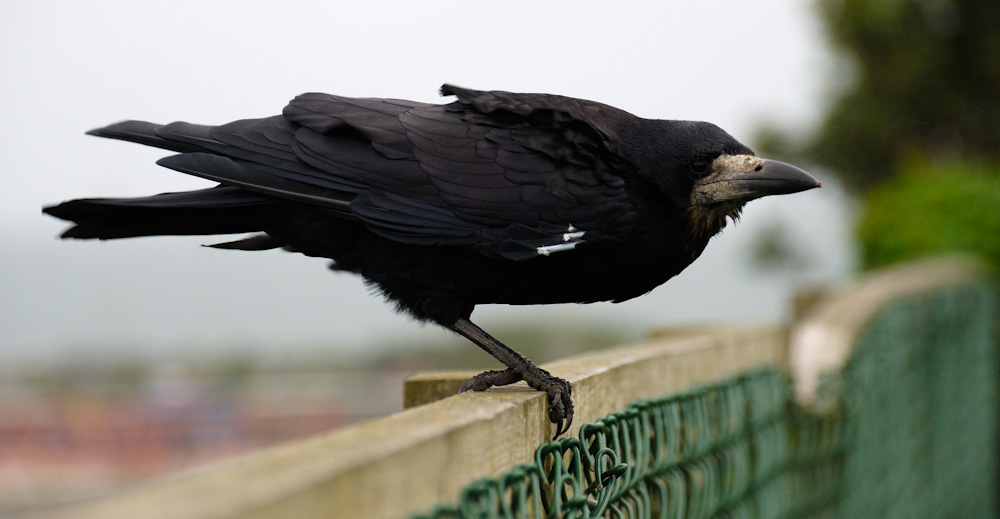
511 175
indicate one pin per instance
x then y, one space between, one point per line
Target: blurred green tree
929 210
923 85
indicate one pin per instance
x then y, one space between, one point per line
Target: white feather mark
549 249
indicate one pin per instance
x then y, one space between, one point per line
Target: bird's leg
518 368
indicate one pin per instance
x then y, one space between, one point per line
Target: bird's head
724 185
706 172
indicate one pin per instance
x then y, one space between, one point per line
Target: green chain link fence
913 434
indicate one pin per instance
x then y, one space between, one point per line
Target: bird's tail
218 210
143 132
254 188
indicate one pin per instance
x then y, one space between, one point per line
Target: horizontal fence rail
447 451
823 340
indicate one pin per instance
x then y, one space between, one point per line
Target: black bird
497 197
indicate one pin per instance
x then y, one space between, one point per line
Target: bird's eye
699 167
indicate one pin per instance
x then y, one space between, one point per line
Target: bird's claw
560 405
474 384
557 391
488 379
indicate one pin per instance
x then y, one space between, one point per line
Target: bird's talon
474 385
560 405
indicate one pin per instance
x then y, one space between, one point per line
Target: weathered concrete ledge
409 462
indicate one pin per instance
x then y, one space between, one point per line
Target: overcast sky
72 66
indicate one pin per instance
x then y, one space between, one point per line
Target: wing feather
488 162
507 174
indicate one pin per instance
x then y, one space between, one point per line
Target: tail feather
254 162
219 210
143 132
232 173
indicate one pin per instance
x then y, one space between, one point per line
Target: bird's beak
746 177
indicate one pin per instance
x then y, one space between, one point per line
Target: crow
496 197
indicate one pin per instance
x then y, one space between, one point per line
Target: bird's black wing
514 175
511 175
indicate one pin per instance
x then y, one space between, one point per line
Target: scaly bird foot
488 379
557 390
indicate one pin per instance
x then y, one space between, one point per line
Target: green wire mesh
914 436
920 400
717 451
